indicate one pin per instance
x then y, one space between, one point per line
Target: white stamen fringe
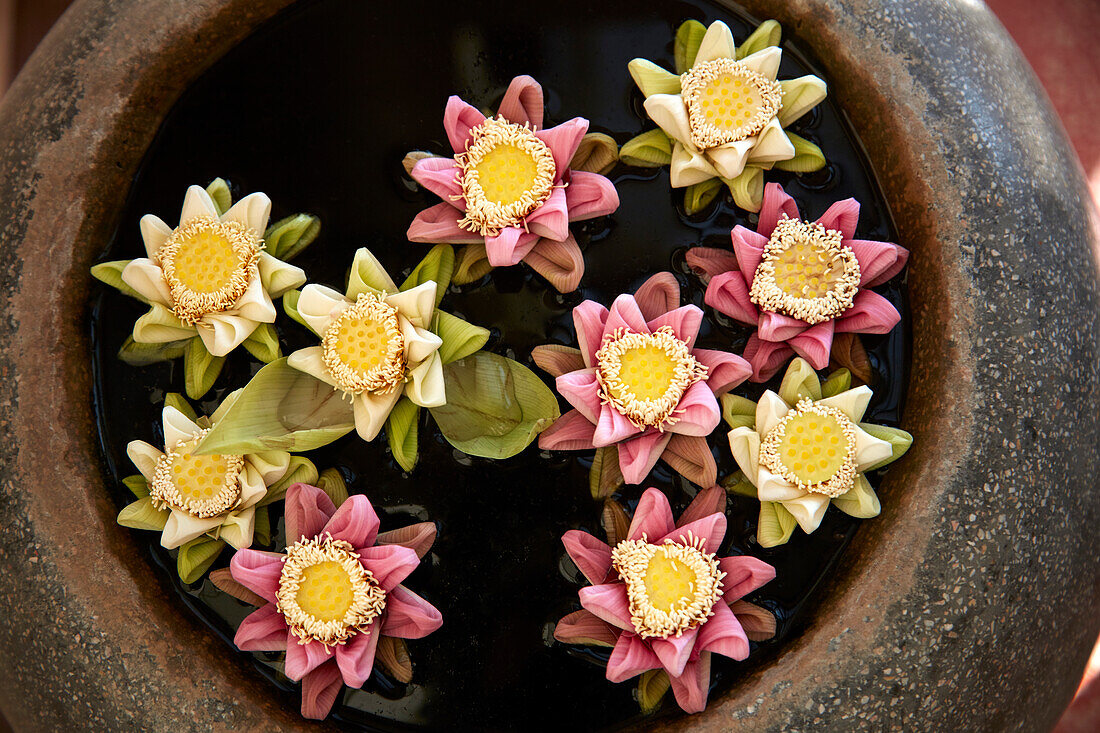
390 372
704 133
844 477
165 494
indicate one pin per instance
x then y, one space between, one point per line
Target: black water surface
317 109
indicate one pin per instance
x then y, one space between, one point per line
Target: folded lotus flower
638 381
808 448
333 597
662 598
799 282
509 186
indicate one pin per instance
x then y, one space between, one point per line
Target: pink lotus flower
509 186
338 562
705 617
639 383
788 255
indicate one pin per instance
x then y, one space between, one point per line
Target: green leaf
652 688
800 381
368 275
111 274
159 325
196 557
136 354
460 339
263 343
200 368
736 483
401 432
332 483
807 156
137 484
860 501
768 33
290 305
605 476
142 514
495 406
651 149
281 408
178 401
799 97
652 79
689 36
286 238
738 412
299 471
748 188
219 192
438 265
898 439
698 196
597 153
837 382
472 263
261 531
775 524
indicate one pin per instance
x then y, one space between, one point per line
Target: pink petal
551 220
698 412
706 502
722 634
563 141
458 119
744 574
440 176
609 602
658 295
417 537
356 658
693 686
571 431
389 564
612 427
637 457
307 511
776 203
439 223
708 262
766 357
301 659
581 627
842 216
625 313
319 690
878 261
870 313
748 248
724 370
263 630
589 195
522 103
509 246
685 322
355 522
652 518
630 658
561 263
408 616
814 344
675 651
589 319
258 571
727 293
592 557
778 327
711 529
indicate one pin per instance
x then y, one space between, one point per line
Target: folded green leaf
736 483
460 338
651 149
111 274
471 263
652 79
159 325
605 476
263 343
837 382
698 196
261 531
898 439
652 688
860 501
299 471
136 354
137 484
768 33
413 157
368 275
437 265
281 408
748 188
495 406
775 524
286 238
200 368
142 514
800 96
597 153
178 401
800 381
196 557
219 192
616 524
738 412
689 36
402 427
807 156
332 483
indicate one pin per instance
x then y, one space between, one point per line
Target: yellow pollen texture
325 591
669 583
804 271
646 373
363 347
198 478
813 448
205 262
506 173
361 343
729 102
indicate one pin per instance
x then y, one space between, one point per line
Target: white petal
222 332
770 411
252 211
197 202
146 277
770 487
159 325
239 528
765 61
178 428
271 464
419 343
255 304
772 144
253 487
670 114
852 403
416 304
181 528
717 44
144 457
729 159
153 232
279 277
869 449
310 360
745 446
425 386
689 168
808 510
371 411
319 306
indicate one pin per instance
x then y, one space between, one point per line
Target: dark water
317 109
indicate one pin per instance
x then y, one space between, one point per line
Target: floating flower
333 598
722 118
800 282
663 599
509 186
639 383
805 448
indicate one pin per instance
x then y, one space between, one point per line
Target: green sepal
220 194
898 439
367 276
200 368
263 343
860 501
137 484
299 471
837 382
800 96
136 354
738 412
287 238
605 477
111 274
651 149
689 36
597 153
800 381
196 557
142 514
332 483
653 685
471 263
768 33
460 338
437 265
737 483
807 156
775 524
748 188
261 528
178 401
699 196
402 427
652 79
290 306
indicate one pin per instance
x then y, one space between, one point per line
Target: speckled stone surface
969 605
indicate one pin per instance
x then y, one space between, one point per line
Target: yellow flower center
202 486
363 347
814 448
671 587
506 173
726 101
325 594
807 272
644 376
208 265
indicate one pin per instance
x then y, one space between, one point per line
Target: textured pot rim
918 80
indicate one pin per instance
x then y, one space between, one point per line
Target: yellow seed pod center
730 102
669 582
205 261
805 271
202 486
813 448
646 373
198 478
506 173
361 343
727 101
325 591
364 348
